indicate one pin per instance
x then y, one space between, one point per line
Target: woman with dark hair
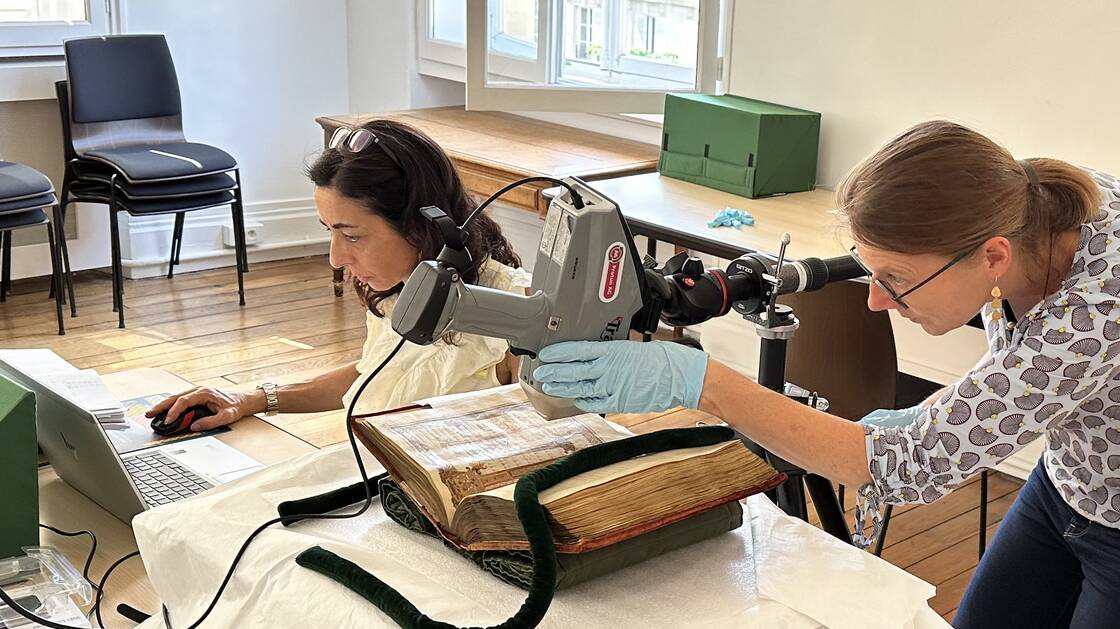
947 224
369 187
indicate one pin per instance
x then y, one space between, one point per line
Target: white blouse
423 371
1054 373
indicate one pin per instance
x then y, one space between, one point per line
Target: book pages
482 442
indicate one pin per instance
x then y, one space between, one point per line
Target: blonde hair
940 187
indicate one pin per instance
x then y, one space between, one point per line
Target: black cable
92 549
104 580
50 624
312 516
10 602
577 200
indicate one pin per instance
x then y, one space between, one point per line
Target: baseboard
286 228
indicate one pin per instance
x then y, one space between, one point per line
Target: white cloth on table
774 572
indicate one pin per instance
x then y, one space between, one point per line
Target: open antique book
459 457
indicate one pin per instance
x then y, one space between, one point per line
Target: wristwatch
272 401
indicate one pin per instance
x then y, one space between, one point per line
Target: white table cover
774 572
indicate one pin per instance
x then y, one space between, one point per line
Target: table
492 149
62 507
774 571
663 208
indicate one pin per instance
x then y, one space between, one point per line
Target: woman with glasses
949 224
369 187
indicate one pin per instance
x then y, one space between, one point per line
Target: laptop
125 485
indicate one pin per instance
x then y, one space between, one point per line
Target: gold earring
997 304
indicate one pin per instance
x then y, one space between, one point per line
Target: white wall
383 73
253 74
1033 74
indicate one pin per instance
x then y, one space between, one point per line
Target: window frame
451 61
437 57
37 40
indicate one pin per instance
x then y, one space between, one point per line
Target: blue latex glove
623 376
730 217
887 418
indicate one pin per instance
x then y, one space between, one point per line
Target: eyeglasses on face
896 296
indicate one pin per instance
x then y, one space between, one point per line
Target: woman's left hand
623 376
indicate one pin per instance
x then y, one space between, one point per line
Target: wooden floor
293 327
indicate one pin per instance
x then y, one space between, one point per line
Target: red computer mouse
182 422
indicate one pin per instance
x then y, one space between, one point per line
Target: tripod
776 325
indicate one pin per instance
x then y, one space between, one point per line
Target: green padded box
19 470
739 145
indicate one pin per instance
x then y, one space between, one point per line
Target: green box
739 145
19 470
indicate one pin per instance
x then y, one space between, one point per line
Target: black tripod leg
791 498
828 507
883 531
983 514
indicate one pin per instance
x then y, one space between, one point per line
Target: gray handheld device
588 284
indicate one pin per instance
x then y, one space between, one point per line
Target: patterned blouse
1053 373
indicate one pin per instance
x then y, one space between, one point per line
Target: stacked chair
125 148
25 195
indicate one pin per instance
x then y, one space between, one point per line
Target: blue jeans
1048 566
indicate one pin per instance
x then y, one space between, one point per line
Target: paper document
83 387
36 362
86 389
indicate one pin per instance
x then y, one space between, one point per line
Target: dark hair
404 172
940 187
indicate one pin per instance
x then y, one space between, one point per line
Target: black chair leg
983 514
240 219
115 246
883 531
176 240
118 274
239 249
60 221
6 276
56 275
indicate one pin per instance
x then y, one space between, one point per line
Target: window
442 38
573 55
615 42
448 21
36 28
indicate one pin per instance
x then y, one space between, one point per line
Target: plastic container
45 583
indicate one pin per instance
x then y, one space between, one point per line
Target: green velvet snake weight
534 521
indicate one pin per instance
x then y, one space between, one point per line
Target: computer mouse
181 423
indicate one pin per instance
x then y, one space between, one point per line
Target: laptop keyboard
161 480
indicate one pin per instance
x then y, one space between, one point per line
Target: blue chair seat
20 182
173 160
16 220
42 200
88 171
164 206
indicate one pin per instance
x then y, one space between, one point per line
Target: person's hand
623 376
227 407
